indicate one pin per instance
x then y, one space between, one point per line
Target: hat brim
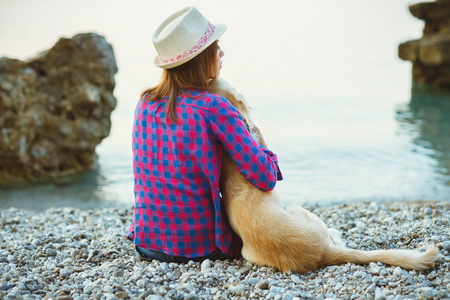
218 31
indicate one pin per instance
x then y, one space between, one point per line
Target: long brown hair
197 73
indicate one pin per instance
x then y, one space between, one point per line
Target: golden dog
298 240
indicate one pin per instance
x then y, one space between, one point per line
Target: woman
179 135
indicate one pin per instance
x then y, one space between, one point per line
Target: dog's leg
334 235
300 212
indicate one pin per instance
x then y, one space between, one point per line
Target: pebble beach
68 253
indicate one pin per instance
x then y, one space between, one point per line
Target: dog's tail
407 259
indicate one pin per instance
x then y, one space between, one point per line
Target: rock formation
55 108
430 55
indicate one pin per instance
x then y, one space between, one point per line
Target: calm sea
323 77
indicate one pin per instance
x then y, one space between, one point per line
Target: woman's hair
197 73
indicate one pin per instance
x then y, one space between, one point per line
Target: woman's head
195 68
197 72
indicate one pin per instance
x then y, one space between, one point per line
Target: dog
297 240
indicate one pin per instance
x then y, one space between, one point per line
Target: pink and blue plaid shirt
178 209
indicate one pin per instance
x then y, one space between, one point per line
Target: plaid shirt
178 208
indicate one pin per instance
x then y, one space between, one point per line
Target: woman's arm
258 164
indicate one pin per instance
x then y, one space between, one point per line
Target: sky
270 47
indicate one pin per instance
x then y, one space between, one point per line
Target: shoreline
70 253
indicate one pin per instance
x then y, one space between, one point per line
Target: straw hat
183 36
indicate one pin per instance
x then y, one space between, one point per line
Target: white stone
206 264
141 283
238 289
446 245
295 278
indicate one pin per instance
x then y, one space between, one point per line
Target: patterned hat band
203 40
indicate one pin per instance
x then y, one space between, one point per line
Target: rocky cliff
55 108
430 55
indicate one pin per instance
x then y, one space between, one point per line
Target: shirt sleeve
259 165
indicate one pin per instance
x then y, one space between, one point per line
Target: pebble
232 270
446 245
288 296
253 281
263 284
88 289
190 296
206 264
141 283
428 211
245 270
237 288
122 295
64 297
374 269
427 292
164 266
359 274
398 271
361 226
352 245
379 295
66 253
295 279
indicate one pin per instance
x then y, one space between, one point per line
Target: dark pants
146 254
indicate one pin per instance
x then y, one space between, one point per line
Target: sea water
327 89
